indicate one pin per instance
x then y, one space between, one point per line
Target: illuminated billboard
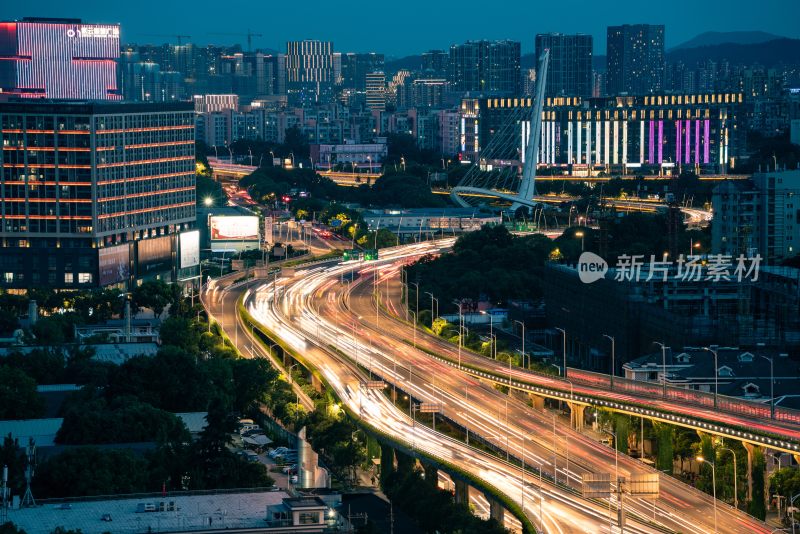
154 255
189 243
114 264
233 228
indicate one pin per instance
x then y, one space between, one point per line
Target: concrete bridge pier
496 510
462 491
751 449
537 402
576 412
431 474
316 383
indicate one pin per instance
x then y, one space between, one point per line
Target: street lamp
564 350
771 385
663 365
433 313
716 374
579 233
208 202
791 506
613 358
523 341
714 486
616 467
735 477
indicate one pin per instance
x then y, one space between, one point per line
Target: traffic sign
429 407
376 384
596 485
644 485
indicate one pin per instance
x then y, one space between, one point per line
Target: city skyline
332 22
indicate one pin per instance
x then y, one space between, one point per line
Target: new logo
591 267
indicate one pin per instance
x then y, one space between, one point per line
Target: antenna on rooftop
27 499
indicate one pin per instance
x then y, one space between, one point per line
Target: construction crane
177 36
249 35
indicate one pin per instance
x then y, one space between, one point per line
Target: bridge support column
462 491
751 449
316 383
576 415
537 402
496 510
431 475
405 463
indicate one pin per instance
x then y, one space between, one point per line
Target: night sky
402 27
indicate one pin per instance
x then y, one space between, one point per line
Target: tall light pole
564 350
735 477
791 505
415 327
613 358
663 365
771 385
523 342
433 313
416 295
714 487
579 233
716 373
616 469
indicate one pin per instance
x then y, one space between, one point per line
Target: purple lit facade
59 59
615 134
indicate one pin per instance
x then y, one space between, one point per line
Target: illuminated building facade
309 72
642 134
59 58
93 194
376 91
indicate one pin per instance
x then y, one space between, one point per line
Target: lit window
84 278
68 278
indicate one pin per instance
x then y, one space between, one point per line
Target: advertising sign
155 254
114 264
233 228
190 249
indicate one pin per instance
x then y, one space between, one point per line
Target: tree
10 528
9 321
89 471
18 396
666 453
12 455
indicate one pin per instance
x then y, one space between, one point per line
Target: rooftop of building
89 107
741 371
151 513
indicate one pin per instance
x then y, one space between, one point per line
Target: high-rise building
757 216
309 72
59 58
434 63
570 69
635 59
376 91
93 194
485 66
356 67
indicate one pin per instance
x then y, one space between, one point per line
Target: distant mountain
392 65
720 38
781 51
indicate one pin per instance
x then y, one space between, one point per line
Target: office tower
485 66
309 72
355 68
434 63
93 194
376 91
635 59
59 58
570 68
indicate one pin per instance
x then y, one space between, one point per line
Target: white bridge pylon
527 186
